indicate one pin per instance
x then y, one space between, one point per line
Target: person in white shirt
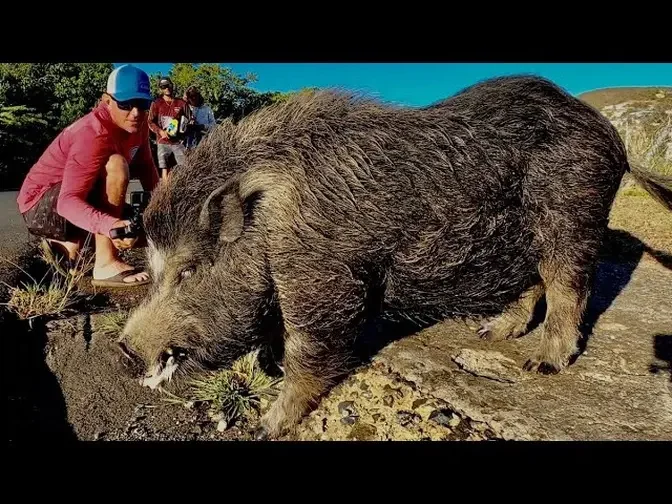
203 119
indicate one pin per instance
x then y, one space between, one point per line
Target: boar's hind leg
515 320
566 298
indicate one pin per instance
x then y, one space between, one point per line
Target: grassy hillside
643 117
613 96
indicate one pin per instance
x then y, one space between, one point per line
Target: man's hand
123 243
163 134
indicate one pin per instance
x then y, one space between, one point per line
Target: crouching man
78 185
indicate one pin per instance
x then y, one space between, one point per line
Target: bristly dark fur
338 209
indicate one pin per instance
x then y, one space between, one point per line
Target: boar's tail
657 185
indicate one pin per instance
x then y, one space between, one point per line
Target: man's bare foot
116 267
71 248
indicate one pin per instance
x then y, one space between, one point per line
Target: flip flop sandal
118 280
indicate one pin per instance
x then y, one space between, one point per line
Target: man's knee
117 168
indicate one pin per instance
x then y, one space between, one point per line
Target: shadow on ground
35 402
662 347
620 256
36 409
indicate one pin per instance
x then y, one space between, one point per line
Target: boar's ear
224 208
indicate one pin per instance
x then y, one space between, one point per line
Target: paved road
13 235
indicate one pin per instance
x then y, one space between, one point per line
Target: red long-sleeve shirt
77 157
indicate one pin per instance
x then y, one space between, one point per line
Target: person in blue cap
78 185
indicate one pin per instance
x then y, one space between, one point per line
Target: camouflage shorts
43 220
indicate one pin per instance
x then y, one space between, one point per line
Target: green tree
20 128
77 89
227 93
37 100
65 91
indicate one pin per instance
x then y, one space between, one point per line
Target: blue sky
418 84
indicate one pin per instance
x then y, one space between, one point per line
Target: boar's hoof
499 330
541 367
272 425
261 434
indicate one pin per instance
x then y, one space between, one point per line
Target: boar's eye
187 272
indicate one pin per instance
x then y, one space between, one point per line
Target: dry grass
239 393
642 149
35 300
639 214
55 293
635 210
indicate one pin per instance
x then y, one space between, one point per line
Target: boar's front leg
323 312
310 370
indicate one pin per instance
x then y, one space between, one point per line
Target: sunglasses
140 104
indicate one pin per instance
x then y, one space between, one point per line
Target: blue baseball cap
128 82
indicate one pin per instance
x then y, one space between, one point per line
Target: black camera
139 201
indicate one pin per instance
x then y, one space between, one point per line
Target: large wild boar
310 218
